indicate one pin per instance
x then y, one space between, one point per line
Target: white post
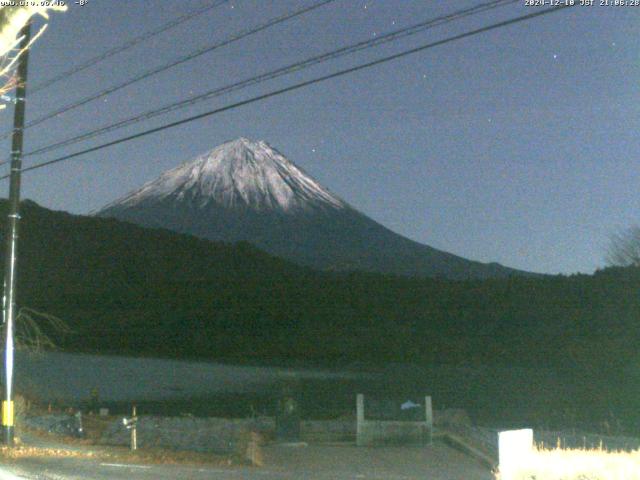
429 417
514 449
134 431
360 417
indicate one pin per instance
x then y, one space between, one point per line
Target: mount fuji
248 191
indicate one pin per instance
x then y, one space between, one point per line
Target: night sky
518 146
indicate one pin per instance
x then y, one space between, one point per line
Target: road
436 462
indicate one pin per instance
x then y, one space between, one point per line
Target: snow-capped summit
240 174
248 191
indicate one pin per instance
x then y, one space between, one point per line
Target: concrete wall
376 432
328 430
392 432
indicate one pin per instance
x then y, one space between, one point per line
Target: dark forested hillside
125 289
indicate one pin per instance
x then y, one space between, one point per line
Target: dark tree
624 250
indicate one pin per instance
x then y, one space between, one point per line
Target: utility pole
11 257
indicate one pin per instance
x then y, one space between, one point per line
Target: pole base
7 435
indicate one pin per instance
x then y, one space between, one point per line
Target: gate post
360 418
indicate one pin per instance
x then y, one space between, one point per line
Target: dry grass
569 464
25 451
155 456
161 456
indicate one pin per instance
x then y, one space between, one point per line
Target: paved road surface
436 462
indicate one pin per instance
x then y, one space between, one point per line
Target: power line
126 46
299 86
179 61
295 67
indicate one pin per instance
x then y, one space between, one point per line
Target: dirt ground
433 462
313 461
279 461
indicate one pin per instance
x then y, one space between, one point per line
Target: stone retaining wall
218 435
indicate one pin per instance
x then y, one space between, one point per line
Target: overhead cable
298 86
294 67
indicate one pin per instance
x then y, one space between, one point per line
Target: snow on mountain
246 191
237 174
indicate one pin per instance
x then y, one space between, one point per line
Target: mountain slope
124 289
127 289
248 191
238 175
